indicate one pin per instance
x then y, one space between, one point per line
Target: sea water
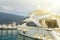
12 35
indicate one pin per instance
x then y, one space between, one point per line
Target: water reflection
8 34
12 35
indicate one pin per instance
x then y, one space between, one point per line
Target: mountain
6 18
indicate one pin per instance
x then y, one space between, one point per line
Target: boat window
51 23
31 24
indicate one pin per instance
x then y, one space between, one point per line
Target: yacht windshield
31 24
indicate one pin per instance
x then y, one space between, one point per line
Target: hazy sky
23 7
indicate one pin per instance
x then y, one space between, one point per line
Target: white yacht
37 24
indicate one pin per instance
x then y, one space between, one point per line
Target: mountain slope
6 18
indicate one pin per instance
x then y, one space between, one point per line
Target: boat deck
34 32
